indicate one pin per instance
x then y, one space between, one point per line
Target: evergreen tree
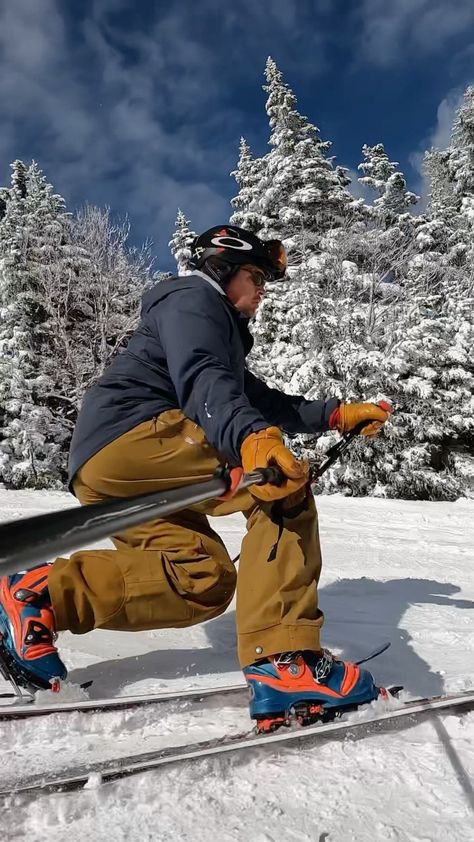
461 153
4 194
382 176
34 239
431 378
378 303
180 244
440 194
428 369
248 175
390 229
302 195
300 198
321 332
442 281
450 172
440 222
69 298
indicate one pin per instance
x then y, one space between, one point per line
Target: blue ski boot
308 686
28 657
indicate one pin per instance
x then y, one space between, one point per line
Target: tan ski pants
177 572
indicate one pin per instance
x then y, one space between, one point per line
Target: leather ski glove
349 415
264 448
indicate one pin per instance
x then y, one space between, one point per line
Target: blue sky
140 105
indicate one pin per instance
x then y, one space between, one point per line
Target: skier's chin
253 308
248 311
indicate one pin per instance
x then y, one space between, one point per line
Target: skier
176 404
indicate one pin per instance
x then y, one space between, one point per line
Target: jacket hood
171 285
164 288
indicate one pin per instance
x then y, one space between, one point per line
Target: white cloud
440 137
112 115
30 34
391 31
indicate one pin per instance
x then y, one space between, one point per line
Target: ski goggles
276 254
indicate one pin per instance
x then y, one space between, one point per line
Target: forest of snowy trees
378 303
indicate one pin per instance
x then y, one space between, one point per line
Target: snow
393 570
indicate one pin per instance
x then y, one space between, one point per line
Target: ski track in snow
393 570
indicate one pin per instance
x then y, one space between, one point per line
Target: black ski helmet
220 250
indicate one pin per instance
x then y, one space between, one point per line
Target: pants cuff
263 644
60 619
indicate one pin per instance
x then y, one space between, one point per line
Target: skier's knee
219 595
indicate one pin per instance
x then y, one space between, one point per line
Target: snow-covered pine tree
446 234
458 161
249 175
446 265
440 222
461 152
429 375
357 290
299 197
382 176
180 243
302 194
315 332
34 253
390 228
345 358
364 316
414 352
428 368
69 298
4 194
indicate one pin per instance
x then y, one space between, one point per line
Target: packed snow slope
393 570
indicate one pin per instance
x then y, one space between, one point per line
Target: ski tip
390 692
55 685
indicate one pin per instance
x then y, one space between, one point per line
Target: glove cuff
335 418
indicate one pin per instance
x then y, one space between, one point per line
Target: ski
33 708
26 705
77 777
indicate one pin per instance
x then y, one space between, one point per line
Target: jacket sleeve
196 334
292 413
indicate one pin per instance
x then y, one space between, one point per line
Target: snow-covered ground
393 570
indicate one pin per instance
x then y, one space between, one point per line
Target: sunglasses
259 276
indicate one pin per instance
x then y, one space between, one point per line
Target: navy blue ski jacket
188 352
